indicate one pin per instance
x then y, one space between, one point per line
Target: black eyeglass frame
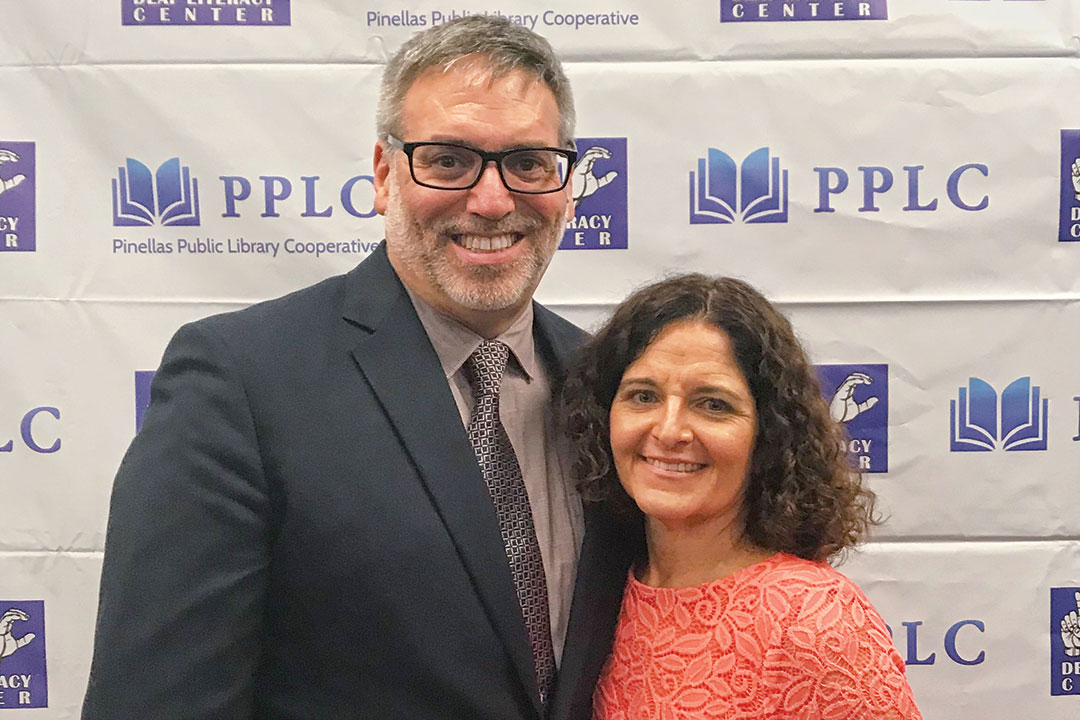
486 157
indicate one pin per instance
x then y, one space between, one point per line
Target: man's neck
488 324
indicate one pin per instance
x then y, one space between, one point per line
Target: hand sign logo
8 642
17 197
597 220
1065 641
858 397
23 680
7 156
1069 212
1070 629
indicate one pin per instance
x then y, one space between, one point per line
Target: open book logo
974 417
169 196
721 191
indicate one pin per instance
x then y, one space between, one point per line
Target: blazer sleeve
186 554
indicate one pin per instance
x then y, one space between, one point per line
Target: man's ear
381 176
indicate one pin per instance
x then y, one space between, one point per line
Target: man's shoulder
293 314
557 329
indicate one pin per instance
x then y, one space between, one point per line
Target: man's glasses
450 166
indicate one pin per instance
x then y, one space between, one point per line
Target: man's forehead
470 96
475 72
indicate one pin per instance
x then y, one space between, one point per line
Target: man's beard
475 287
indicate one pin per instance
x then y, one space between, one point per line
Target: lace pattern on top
783 638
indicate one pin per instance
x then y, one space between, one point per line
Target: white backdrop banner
902 177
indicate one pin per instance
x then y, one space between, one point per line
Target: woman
695 409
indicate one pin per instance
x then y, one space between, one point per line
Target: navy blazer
301 530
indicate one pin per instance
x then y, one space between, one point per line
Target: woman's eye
641 396
715 405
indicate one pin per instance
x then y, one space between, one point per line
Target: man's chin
483 300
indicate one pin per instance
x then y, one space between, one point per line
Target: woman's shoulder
795 573
807 594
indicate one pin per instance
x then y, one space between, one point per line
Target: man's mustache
503 226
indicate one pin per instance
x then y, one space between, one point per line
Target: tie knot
486 366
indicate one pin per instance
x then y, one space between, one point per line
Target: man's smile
485 243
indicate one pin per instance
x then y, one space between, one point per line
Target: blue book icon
170 195
721 191
974 417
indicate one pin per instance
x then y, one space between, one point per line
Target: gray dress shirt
525 408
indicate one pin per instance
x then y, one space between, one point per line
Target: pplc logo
722 191
169 196
979 422
23 682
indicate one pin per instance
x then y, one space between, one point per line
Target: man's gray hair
502 47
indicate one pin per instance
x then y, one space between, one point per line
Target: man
321 517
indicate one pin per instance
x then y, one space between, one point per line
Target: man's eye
525 164
528 164
446 161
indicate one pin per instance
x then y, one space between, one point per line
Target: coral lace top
783 638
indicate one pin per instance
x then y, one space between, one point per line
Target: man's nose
489 197
672 427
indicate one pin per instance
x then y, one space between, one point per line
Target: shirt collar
454 343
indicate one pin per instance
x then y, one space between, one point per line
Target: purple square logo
22 655
858 397
1069 226
1065 641
18 179
142 395
205 12
797 10
600 188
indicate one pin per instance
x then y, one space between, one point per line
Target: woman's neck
684 555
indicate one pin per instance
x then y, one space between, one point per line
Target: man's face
481 250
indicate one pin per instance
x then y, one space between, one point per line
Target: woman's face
682 429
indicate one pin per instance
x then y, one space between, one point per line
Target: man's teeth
480 243
676 467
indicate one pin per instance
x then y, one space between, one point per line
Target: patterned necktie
502 474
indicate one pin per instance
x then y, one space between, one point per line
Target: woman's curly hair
803 495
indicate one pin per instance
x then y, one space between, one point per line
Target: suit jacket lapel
606 552
403 371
